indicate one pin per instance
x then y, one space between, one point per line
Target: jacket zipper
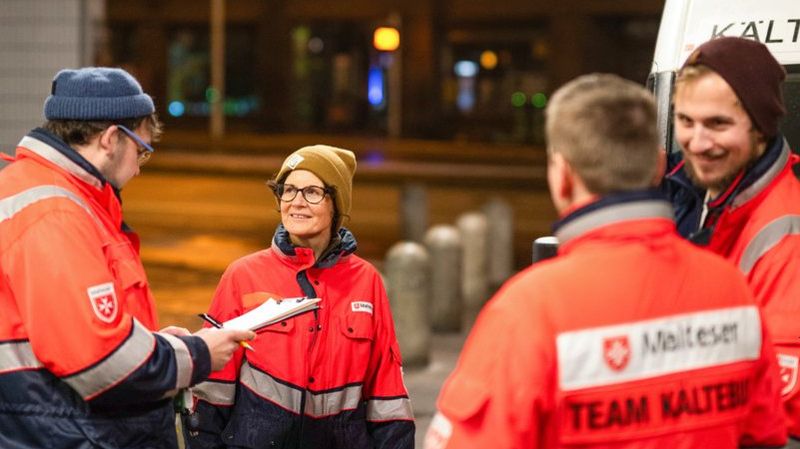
308 290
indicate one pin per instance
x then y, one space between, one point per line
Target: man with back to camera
736 191
80 363
596 347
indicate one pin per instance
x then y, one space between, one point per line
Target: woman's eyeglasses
312 194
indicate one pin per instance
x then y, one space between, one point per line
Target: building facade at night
465 69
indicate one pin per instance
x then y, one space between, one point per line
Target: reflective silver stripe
389 409
765 179
769 236
217 393
267 387
17 355
183 361
128 356
13 204
332 402
51 154
613 214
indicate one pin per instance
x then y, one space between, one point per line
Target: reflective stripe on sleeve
389 409
128 356
183 362
267 387
766 239
13 204
332 402
16 356
217 393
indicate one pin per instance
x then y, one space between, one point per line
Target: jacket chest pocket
354 345
281 327
357 326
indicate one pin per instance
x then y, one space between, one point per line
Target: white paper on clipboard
272 311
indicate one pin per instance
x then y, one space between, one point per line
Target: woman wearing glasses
323 380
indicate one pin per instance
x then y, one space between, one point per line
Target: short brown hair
80 132
605 127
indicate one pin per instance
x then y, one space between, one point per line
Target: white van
685 24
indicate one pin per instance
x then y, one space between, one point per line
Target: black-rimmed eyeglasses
143 151
312 194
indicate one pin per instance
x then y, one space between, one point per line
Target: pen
211 320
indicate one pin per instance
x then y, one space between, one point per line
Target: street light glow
488 60
386 39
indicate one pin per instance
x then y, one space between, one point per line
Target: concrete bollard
500 221
544 248
414 212
408 286
474 280
444 248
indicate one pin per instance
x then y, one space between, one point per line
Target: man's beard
723 183
717 185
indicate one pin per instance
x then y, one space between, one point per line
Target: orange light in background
386 39
488 60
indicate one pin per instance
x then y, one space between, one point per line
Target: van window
791 98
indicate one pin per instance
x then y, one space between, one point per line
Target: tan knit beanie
334 166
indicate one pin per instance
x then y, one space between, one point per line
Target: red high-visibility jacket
325 379
80 365
758 229
629 338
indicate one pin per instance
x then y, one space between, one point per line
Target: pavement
424 383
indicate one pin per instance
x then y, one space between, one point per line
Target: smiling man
735 191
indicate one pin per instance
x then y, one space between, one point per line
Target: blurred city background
442 100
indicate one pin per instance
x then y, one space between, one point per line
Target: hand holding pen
222 343
214 322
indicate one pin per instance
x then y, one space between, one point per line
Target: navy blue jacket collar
68 152
342 244
687 199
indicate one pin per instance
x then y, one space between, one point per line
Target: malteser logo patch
624 352
361 306
617 352
788 365
294 161
104 301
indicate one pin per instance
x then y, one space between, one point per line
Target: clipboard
272 311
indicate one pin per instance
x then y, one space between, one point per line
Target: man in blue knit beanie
81 363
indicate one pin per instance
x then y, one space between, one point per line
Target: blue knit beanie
96 93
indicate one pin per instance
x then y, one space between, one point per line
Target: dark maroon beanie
753 74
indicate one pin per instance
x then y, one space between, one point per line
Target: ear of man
109 139
561 179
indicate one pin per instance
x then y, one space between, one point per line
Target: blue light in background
465 100
374 157
176 109
375 86
466 69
